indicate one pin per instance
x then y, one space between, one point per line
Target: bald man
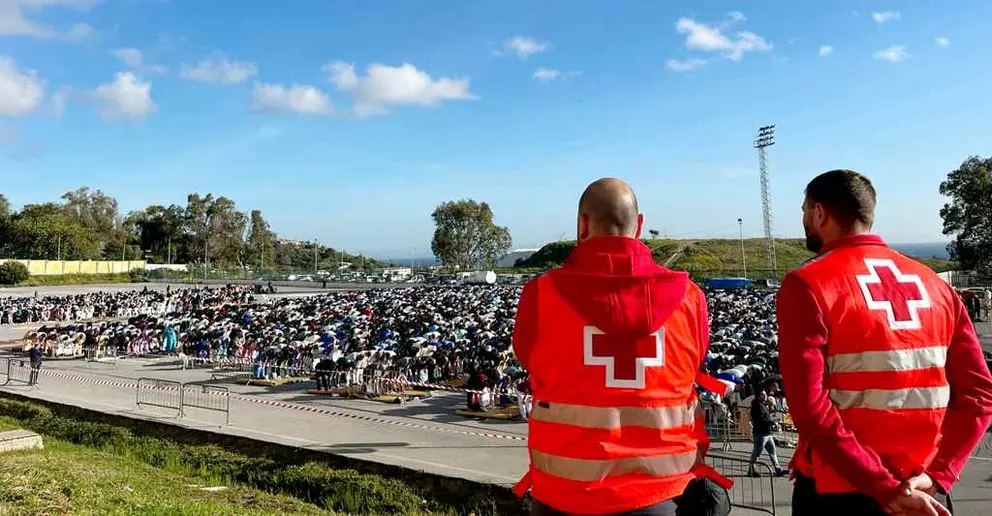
613 343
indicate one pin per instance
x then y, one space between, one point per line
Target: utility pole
59 252
740 224
168 258
315 257
765 139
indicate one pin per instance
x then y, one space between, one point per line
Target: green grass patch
310 477
715 257
77 279
72 479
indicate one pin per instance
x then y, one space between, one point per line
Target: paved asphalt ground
423 435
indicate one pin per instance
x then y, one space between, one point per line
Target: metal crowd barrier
4 364
20 372
727 425
206 397
752 493
165 394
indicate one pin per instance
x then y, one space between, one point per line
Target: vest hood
614 283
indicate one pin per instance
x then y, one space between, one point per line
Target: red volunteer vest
613 425
890 320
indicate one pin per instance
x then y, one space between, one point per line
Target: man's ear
819 215
583 227
640 225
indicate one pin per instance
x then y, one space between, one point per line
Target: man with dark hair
762 427
848 196
882 369
613 343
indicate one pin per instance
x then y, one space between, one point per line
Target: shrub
138 275
12 273
23 410
343 489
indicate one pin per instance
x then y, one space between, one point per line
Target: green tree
161 231
47 231
465 235
12 273
261 241
227 228
215 229
5 214
197 220
968 215
98 213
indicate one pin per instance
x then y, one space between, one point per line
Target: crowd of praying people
379 338
112 305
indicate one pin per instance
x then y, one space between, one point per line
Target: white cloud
14 23
218 69
135 59
710 39
895 53
885 16
385 85
21 91
826 50
685 66
126 97
60 102
736 16
296 98
942 41
524 46
81 33
546 74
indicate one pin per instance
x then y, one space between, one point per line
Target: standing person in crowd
988 304
881 366
763 426
612 342
37 354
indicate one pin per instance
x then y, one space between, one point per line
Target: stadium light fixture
765 139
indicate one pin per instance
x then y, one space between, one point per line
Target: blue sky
348 121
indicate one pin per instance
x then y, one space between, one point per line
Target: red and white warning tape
281 404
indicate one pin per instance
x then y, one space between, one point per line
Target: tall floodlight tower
765 139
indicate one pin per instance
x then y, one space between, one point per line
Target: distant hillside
708 257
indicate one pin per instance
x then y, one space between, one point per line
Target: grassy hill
709 257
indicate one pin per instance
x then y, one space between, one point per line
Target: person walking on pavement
613 343
881 367
37 355
763 425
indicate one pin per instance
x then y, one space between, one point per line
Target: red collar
853 241
610 255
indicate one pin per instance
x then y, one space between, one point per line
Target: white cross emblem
625 359
900 296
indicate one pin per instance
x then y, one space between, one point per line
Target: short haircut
846 194
611 205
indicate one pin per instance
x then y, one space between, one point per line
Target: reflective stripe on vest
594 470
891 360
892 399
660 418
